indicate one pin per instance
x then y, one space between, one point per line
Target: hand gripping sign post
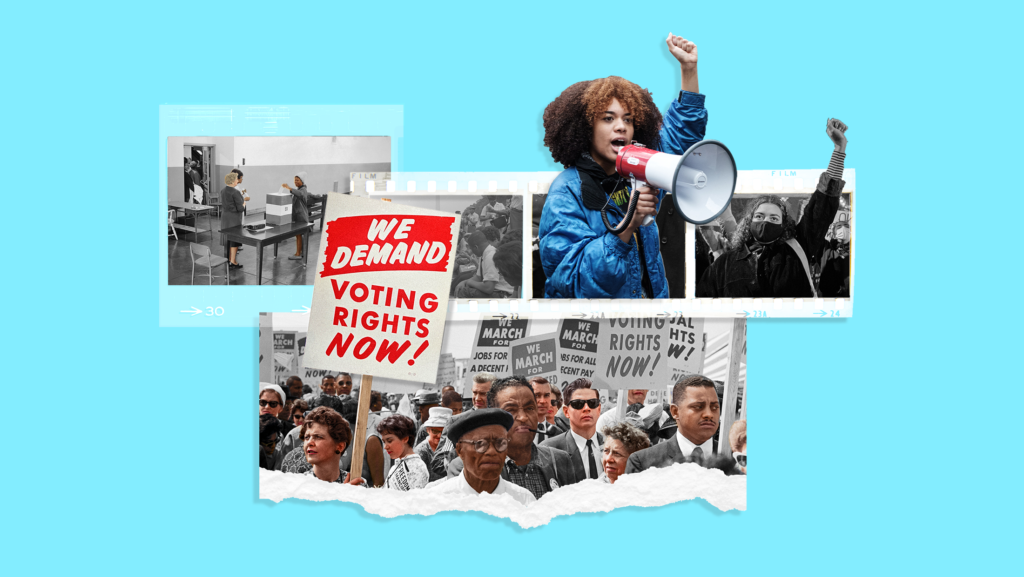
380 295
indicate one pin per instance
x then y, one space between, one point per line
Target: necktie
542 430
590 457
697 455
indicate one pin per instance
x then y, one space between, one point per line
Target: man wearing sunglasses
582 441
481 440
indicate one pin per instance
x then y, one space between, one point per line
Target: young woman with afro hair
584 128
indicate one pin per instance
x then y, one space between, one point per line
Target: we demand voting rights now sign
380 294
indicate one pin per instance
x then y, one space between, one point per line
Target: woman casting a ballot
584 128
300 208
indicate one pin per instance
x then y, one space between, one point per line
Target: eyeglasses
741 458
273 404
578 403
554 403
480 446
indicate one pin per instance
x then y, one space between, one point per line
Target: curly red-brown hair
569 119
337 426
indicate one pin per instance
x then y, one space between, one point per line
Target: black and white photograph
248 210
792 242
489 254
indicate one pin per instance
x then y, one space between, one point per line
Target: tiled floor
278 270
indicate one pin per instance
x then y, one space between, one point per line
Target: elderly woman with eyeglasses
481 440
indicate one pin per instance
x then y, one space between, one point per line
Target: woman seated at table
408 471
233 205
620 441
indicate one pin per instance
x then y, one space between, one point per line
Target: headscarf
275 388
302 177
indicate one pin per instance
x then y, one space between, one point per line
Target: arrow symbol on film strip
580 315
821 313
194 311
303 310
498 316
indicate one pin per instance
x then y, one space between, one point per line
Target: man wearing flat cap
481 440
696 410
539 469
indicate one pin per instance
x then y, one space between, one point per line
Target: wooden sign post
737 343
359 435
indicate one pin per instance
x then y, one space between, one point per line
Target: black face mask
766 232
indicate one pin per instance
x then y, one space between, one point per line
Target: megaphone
701 181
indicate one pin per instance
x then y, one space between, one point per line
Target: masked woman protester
408 471
300 208
769 253
584 128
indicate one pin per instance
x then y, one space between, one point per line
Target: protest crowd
518 436
489 255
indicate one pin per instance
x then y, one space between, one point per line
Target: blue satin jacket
580 257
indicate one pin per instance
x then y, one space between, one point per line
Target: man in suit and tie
696 409
582 441
542 393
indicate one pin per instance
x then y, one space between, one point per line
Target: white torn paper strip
652 488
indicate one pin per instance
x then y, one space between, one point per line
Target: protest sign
535 356
490 347
285 357
685 347
445 370
380 292
577 350
631 354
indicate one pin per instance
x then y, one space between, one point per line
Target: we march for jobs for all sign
380 294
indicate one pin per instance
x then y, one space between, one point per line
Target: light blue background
880 444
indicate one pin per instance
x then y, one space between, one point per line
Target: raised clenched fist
683 50
836 131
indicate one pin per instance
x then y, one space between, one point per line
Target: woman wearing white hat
271 399
300 208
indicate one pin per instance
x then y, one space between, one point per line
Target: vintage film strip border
750 184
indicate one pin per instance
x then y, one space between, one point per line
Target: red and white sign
380 295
